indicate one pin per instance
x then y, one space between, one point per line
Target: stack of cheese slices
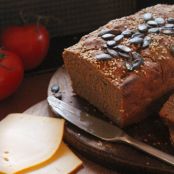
33 145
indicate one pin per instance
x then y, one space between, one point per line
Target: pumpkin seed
160 21
136 63
108 36
153 30
129 66
127 33
112 52
136 55
142 27
146 42
119 38
152 23
104 31
134 31
168 32
103 56
147 16
109 31
104 46
115 48
148 38
138 34
170 20
111 43
168 26
125 55
124 48
55 88
136 40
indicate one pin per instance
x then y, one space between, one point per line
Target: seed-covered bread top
131 45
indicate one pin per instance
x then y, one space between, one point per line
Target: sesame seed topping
114 69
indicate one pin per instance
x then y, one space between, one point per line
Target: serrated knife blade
102 129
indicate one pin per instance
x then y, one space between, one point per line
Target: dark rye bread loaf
167 114
123 95
167 111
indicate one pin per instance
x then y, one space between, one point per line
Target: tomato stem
22 17
2 56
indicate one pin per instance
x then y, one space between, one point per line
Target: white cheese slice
63 162
27 141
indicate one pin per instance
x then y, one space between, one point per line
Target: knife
102 129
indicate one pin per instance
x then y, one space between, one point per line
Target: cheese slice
63 162
27 141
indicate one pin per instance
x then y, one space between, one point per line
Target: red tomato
30 42
11 73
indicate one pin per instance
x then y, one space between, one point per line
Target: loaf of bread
167 111
125 66
167 115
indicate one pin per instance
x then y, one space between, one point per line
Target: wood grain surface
115 155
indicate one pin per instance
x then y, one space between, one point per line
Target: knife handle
148 149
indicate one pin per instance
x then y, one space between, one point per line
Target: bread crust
124 96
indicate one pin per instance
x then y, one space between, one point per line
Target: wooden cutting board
114 155
89 167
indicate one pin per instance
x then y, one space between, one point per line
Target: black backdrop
146 3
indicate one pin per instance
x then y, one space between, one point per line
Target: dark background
146 3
